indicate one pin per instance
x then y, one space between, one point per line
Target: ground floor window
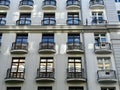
108 88
75 88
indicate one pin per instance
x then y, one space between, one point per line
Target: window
108 88
44 88
104 63
48 38
75 88
49 19
13 88
21 38
24 19
118 15
97 18
18 64
2 18
74 64
100 38
73 19
73 38
46 64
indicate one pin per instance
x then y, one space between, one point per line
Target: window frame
46 62
75 64
17 66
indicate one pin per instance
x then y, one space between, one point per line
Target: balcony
76 76
19 48
2 22
22 22
96 4
26 4
48 22
73 22
73 4
99 22
46 48
45 76
107 76
14 76
75 48
102 48
4 4
49 5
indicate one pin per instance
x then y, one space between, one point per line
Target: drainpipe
85 64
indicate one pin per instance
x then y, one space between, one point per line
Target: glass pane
49 67
14 68
43 67
78 67
71 67
21 67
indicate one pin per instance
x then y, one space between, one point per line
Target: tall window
118 15
100 38
44 88
21 38
73 38
18 64
104 63
76 88
2 18
48 38
13 88
49 19
46 64
97 17
74 64
108 88
73 19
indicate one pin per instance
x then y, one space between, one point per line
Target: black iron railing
2 22
48 22
73 75
99 21
49 75
50 46
5 2
72 2
23 22
26 2
49 2
73 21
19 46
96 2
15 75
72 46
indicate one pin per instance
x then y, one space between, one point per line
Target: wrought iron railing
23 22
46 74
15 75
49 2
26 2
5 2
72 2
18 46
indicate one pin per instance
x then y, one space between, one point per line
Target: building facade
59 45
